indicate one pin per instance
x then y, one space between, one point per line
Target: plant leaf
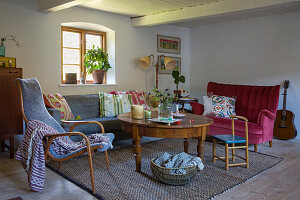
175 74
182 79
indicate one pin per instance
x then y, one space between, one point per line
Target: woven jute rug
122 182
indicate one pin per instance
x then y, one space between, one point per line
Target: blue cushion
230 139
85 106
104 148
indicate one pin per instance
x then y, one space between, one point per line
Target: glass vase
165 112
2 50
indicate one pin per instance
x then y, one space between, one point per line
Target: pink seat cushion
239 126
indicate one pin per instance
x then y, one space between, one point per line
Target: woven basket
164 174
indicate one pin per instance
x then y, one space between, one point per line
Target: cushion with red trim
58 102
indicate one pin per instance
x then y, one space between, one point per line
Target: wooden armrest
76 123
55 135
239 117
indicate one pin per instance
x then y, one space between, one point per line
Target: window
75 42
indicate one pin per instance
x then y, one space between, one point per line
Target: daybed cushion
85 106
111 124
239 126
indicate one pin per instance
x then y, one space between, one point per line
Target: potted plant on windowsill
177 79
96 63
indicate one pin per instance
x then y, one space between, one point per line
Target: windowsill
85 85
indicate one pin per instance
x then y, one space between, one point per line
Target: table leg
201 138
137 148
186 145
183 108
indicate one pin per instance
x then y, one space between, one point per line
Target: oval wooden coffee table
195 126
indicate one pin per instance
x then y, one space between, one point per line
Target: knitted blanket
31 150
179 161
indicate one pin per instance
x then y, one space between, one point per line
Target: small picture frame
168 44
162 69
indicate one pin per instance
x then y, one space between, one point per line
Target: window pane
71 69
93 40
71 56
71 39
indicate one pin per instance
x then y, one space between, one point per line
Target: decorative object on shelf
82 79
96 63
145 62
177 79
137 112
167 44
165 107
5 38
71 78
7 62
164 70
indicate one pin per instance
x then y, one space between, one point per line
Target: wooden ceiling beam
198 12
48 6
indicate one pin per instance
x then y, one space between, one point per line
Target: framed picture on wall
167 44
162 69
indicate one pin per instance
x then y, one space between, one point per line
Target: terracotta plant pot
177 93
98 76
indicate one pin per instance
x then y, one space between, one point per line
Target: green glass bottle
2 50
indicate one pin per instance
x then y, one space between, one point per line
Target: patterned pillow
223 106
138 98
208 107
124 103
108 105
112 105
58 102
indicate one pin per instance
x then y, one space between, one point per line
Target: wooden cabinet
11 122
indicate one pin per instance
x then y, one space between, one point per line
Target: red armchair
257 103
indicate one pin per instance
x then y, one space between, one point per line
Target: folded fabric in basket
181 161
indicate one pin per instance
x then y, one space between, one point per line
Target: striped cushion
124 103
112 105
108 105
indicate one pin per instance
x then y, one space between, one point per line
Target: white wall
258 51
40 55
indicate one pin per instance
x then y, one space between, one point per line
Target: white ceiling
187 13
273 10
190 13
134 8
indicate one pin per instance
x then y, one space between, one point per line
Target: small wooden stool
232 139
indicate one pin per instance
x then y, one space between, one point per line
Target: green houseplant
96 63
177 79
165 100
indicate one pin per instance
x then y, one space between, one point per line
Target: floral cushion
138 98
58 102
223 106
